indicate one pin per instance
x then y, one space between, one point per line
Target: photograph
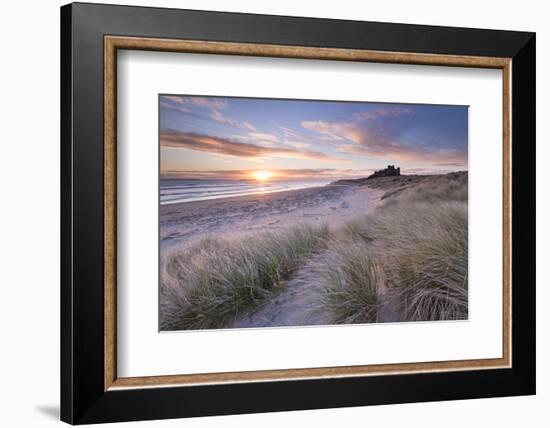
287 212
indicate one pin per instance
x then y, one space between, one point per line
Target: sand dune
382 250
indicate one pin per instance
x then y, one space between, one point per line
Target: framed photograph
266 213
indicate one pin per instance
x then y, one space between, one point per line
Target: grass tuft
414 258
350 279
211 283
433 272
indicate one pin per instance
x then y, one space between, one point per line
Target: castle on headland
390 171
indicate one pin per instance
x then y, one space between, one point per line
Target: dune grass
350 281
411 255
407 261
426 189
432 270
211 283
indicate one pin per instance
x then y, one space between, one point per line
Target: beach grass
351 282
211 283
415 259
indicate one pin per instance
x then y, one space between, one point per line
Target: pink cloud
335 131
224 146
378 133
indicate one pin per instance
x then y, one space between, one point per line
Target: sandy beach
333 204
184 224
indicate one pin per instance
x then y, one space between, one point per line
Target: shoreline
264 192
181 223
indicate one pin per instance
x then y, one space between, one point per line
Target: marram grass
350 282
415 259
215 280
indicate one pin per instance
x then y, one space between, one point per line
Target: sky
230 138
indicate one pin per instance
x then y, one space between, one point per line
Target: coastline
209 191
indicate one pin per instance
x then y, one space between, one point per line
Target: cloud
263 137
181 103
383 112
206 102
451 164
174 98
433 155
219 117
333 131
217 145
296 144
181 109
327 174
296 135
379 133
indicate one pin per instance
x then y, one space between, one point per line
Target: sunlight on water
178 191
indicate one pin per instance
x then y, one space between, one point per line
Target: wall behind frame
29 219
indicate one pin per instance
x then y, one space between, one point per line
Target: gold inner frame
113 43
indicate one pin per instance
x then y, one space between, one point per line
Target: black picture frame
83 397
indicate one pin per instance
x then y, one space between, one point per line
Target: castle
390 171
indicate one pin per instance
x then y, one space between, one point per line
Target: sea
175 191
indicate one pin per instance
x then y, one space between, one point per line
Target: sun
262 175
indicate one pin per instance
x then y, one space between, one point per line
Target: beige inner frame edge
112 43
